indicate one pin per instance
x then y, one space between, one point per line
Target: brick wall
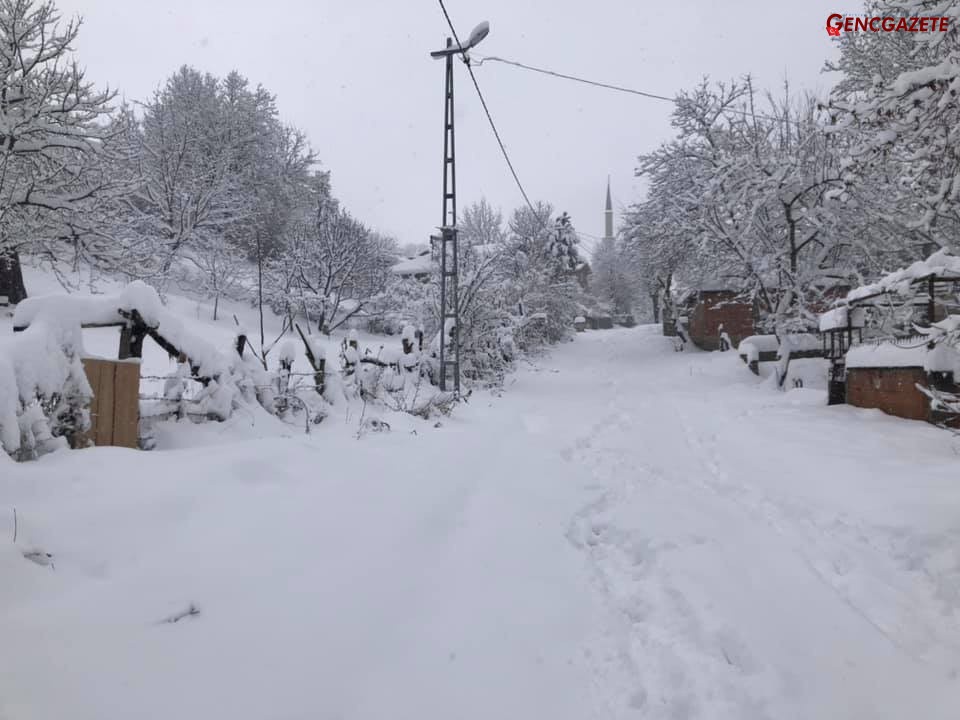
716 308
892 390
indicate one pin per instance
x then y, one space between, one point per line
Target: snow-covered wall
887 355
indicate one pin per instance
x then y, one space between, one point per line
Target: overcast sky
357 77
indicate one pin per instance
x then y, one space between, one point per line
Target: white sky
357 77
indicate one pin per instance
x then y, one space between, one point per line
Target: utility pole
449 248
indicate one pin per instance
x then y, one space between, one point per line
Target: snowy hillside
623 533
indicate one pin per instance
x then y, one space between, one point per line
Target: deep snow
626 532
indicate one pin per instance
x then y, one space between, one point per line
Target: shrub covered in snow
44 393
398 376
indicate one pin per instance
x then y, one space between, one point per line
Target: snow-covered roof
418 265
751 347
717 284
762 343
716 287
887 355
842 317
799 342
941 265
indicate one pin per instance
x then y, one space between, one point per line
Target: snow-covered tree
541 273
56 130
222 267
217 172
615 280
331 267
752 194
897 106
189 193
487 320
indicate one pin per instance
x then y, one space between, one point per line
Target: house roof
939 266
417 265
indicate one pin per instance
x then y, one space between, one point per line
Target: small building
719 316
905 367
886 376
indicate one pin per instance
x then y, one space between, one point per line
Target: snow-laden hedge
44 393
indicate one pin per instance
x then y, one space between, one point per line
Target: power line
631 91
564 76
493 126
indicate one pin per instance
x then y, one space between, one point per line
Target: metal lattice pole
449 252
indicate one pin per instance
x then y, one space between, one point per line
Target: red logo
862 23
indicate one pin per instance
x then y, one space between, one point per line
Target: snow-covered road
625 533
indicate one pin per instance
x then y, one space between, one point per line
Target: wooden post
131 341
126 341
319 365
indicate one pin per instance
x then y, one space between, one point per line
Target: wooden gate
115 408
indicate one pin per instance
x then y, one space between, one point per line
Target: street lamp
449 256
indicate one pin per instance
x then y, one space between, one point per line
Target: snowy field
624 532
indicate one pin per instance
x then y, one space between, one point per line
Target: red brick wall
892 390
718 308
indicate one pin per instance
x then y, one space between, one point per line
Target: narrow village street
624 533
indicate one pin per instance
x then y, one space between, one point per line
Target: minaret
608 215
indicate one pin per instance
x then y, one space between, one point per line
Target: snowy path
625 533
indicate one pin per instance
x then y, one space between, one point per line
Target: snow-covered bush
406 301
44 393
228 379
399 377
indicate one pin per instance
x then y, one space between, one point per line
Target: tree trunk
11 277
